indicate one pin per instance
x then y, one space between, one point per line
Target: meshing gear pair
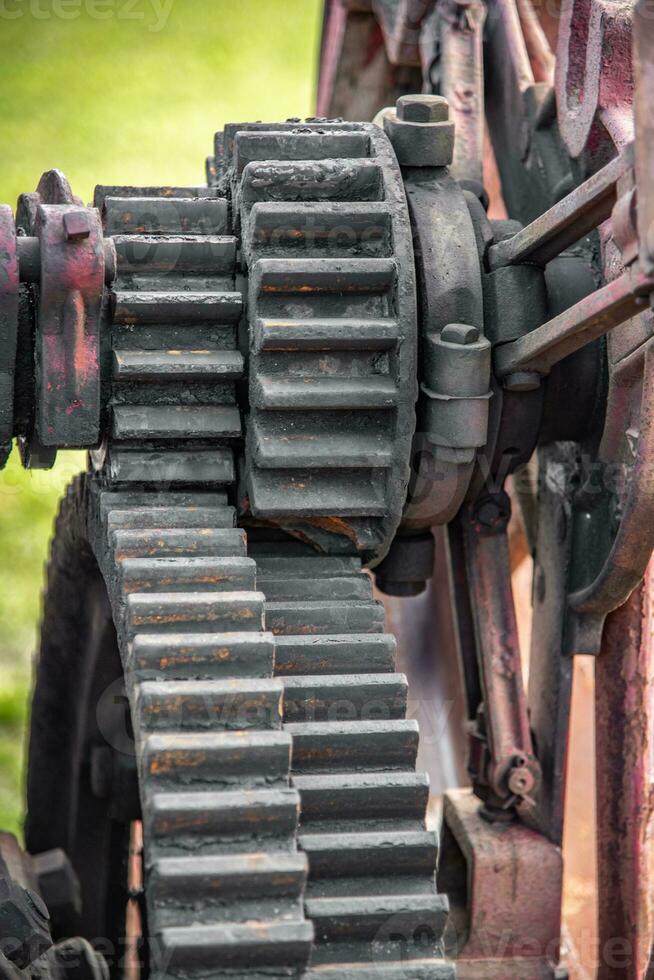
285 378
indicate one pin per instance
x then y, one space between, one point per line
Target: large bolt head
423 108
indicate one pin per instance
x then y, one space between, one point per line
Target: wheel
77 671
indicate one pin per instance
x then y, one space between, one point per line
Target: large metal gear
287 378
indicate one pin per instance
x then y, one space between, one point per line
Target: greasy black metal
24 920
371 893
213 761
332 329
454 377
625 563
207 715
420 131
575 390
534 165
173 362
408 566
60 890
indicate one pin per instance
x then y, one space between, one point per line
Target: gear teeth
353 918
350 746
190 501
134 422
359 230
193 612
203 656
371 886
304 333
188 889
326 698
175 361
208 466
377 853
323 221
224 879
193 365
195 950
227 759
206 542
199 822
166 255
235 705
133 308
165 216
314 394
334 654
254 146
273 277
171 517
104 192
337 585
310 181
378 798
288 617
299 448
202 574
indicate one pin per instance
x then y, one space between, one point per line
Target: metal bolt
521 781
489 513
460 333
493 513
76 225
522 381
423 108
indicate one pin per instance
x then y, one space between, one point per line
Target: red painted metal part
644 120
511 769
333 32
506 883
624 738
68 338
462 68
594 77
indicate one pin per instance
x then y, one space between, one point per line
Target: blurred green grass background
117 92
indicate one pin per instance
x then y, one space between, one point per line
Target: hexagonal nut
423 108
420 131
24 924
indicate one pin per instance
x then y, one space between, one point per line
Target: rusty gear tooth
332 322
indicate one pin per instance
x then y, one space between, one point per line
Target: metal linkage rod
590 318
567 221
643 34
513 770
462 28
